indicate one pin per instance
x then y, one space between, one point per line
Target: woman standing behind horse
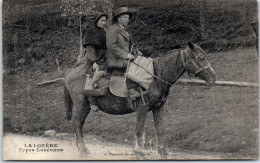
94 57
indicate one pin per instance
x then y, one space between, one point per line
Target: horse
167 70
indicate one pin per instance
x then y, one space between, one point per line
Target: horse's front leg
158 115
81 112
141 115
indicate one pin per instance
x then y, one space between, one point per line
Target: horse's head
196 63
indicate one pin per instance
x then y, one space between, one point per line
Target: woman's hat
99 15
121 11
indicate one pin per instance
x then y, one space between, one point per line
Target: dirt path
24 147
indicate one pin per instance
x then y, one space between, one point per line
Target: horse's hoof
140 155
83 151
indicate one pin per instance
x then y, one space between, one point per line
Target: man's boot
97 76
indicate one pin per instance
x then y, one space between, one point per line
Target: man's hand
95 66
140 53
130 57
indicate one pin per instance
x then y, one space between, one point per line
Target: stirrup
144 99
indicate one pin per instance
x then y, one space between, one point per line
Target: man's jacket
118 42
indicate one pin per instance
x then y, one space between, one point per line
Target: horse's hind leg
82 110
158 115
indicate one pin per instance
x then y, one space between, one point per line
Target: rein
185 63
157 100
128 64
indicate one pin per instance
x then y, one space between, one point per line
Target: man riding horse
119 42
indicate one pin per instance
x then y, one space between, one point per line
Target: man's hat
121 11
98 16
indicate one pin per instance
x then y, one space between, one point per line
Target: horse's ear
191 45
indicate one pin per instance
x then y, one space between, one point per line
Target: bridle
186 64
186 67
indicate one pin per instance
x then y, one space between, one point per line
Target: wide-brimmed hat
121 11
98 16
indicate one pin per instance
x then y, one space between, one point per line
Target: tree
76 9
202 19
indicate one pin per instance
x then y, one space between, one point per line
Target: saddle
99 87
115 83
117 86
140 71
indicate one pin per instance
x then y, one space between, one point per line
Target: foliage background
35 31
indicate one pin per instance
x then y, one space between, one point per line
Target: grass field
221 119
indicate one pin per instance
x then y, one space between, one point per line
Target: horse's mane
171 52
169 55
165 67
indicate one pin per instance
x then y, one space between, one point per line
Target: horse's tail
68 103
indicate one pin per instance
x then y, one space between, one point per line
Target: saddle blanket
141 71
100 90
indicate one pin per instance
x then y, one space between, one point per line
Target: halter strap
195 64
201 69
185 64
